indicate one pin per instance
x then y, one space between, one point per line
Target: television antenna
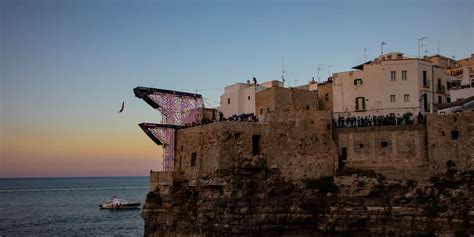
420 45
381 47
320 68
283 68
329 70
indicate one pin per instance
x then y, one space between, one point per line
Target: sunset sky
67 65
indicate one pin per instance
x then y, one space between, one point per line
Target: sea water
69 206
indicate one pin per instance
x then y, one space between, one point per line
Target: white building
463 87
240 97
390 84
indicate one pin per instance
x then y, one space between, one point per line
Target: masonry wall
279 99
395 151
444 145
297 143
300 144
325 96
204 141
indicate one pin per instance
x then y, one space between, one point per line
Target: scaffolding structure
177 109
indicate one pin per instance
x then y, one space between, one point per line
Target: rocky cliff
257 201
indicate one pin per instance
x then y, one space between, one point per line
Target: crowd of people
378 120
242 118
205 120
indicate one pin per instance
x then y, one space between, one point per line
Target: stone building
286 141
325 95
450 138
395 151
280 99
411 151
390 84
239 98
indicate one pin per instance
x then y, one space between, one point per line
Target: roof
455 103
360 67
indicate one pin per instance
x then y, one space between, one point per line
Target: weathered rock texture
257 201
279 178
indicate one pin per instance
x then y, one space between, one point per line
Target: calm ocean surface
69 206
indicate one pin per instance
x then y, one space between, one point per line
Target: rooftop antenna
365 54
329 71
381 47
420 45
320 67
283 68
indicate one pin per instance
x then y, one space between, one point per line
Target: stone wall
451 138
298 143
279 99
201 143
160 178
325 96
394 151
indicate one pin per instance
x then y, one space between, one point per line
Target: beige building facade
239 98
390 84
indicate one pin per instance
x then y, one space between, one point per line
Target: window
393 75
406 97
248 97
439 84
455 134
228 101
425 78
255 144
384 144
326 96
358 82
361 145
392 98
404 75
360 103
237 135
193 159
261 110
440 100
448 100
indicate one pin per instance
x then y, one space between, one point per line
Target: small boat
117 203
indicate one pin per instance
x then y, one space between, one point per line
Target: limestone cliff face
257 201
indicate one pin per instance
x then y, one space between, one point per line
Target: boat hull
121 207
